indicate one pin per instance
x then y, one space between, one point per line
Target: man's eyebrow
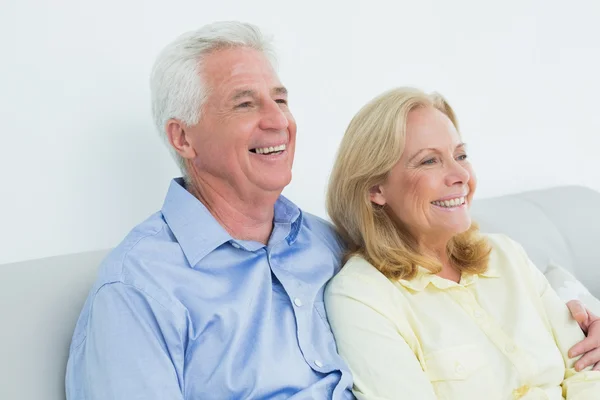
458 146
280 90
238 94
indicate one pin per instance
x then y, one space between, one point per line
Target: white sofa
40 300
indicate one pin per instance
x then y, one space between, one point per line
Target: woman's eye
462 157
429 161
245 104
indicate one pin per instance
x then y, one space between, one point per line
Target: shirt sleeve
583 385
381 361
132 349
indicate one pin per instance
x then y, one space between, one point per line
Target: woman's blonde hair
372 145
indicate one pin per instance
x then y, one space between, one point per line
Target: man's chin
274 184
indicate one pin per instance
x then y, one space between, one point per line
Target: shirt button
459 370
478 314
298 302
237 246
510 348
318 363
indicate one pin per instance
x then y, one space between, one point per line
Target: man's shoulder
146 244
134 272
324 230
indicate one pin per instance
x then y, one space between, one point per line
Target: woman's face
430 189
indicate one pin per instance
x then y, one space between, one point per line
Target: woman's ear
376 195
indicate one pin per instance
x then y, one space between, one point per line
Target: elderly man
220 294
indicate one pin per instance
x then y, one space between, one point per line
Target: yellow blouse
503 334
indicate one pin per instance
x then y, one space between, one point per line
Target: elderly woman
426 307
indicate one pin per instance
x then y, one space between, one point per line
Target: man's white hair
177 89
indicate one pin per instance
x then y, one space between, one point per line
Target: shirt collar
287 220
287 216
194 227
198 232
424 278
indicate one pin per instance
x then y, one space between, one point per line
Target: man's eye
245 104
281 101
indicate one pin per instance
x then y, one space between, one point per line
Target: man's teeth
459 201
267 150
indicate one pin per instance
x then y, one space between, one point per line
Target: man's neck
243 217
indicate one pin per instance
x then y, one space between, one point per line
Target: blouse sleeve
583 385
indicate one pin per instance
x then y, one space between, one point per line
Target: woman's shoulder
360 285
508 256
358 277
503 245
357 267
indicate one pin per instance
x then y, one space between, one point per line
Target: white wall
80 162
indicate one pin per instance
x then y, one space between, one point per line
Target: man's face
246 135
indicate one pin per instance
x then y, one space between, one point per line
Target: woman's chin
457 227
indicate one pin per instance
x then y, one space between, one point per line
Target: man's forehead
241 71
239 62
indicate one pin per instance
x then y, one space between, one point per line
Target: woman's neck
440 253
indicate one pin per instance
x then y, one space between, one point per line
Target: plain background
81 163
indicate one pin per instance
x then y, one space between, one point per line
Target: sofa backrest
560 225
40 301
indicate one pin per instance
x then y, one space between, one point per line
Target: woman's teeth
269 150
459 201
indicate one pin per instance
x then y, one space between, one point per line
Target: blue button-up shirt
181 310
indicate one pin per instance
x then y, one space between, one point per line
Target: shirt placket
523 363
303 310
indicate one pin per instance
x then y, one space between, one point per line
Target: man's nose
273 117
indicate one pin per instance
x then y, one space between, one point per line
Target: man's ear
376 195
178 138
